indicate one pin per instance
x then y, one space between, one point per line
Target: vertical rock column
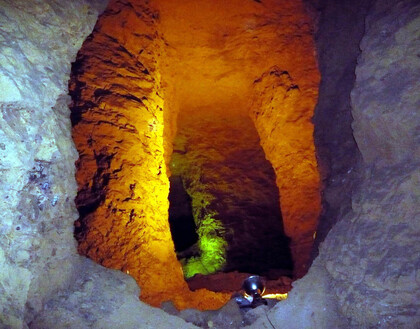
282 112
117 118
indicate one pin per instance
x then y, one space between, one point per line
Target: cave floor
232 282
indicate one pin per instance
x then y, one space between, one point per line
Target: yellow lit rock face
282 114
137 78
217 49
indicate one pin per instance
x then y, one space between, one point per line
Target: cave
283 131
236 130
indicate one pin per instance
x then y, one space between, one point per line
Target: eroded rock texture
101 299
38 257
233 194
282 114
367 272
381 280
338 35
370 257
37 43
118 128
216 50
151 68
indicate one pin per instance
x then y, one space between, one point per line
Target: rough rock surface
282 109
380 285
336 149
368 264
311 304
100 299
37 43
385 98
118 128
227 317
117 118
233 191
233 281
137 57
38 258
367 274
215 52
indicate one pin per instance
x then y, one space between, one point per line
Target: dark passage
181 219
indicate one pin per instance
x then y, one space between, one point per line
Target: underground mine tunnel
184 95
216 100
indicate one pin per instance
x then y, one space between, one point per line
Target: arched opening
220 95
371 201
234 197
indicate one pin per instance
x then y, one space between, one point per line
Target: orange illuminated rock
282 113
235 199
217 49
142 68
118 130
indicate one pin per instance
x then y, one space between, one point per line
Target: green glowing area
212 248
233 199
208 254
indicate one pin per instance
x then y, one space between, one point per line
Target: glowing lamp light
276 296
254 286
253 294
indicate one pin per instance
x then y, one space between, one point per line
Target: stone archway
140 78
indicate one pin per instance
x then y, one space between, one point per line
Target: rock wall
339 31
37 44
383 287
216 50
118 127
233 191
43 282
117 117
132 76
102 299
282 110
366 274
